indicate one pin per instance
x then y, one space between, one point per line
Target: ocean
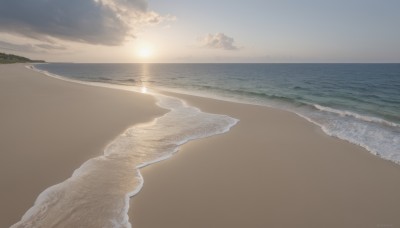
359 103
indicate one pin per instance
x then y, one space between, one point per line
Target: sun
145 52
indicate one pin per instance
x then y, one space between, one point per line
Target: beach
49 127
272 169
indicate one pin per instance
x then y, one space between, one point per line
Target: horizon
141 31
327 63
223 62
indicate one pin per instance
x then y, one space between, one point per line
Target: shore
273 169
49 127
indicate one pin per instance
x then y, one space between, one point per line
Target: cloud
219 41
47 46
39 48
154 18
106 22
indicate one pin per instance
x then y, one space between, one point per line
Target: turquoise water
359 103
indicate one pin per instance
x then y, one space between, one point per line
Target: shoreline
363 131
51 127
181 164
324 129
273 169
164 102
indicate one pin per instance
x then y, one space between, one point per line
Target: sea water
359 103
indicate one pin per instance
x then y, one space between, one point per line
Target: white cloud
219 41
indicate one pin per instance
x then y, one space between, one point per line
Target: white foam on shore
96 84
378 136
355 115
97 194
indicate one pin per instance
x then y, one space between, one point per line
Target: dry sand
273 169
49 127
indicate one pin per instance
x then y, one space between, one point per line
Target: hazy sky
202 31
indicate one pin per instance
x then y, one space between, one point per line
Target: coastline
50 127
274 169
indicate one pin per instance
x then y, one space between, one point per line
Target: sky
212 31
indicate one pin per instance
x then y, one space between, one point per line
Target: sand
49 127
273 169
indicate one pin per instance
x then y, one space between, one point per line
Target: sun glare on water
144 89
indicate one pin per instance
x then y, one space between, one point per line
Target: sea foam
380 137
356 115
97 194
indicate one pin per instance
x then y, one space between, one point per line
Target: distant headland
10 58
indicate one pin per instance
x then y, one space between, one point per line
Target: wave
300 88
378 136
381 142
247 93
128 80
355 115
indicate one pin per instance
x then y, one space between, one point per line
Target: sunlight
144 89
145 52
